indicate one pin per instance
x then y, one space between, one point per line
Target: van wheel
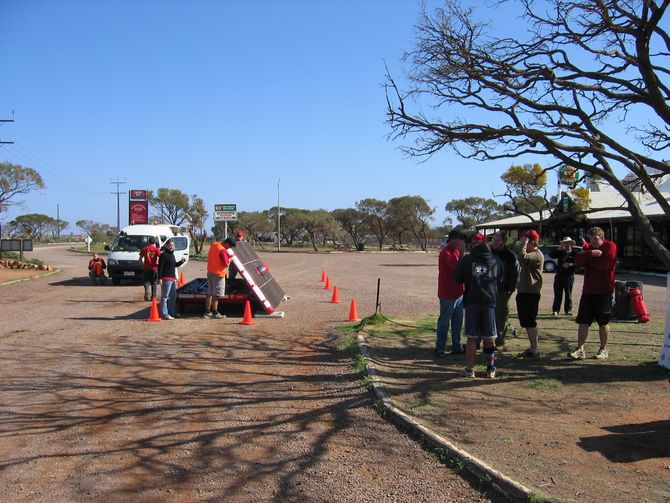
549 267
116 281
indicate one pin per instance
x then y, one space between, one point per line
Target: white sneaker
601 354
577 354
491 372
168 317
555 314
466 372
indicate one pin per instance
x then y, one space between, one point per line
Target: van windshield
130 243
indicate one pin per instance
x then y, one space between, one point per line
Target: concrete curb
55 271
500 482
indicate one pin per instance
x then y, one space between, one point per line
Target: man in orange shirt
218 261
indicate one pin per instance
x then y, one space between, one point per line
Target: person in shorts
483 274
598 258
149 256
218 261
531 260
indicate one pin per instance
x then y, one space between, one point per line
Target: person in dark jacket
483 276
167 278
511 274
565 275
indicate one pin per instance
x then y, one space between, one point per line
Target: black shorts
594 306
526 306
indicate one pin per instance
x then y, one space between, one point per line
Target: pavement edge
49 273
506 486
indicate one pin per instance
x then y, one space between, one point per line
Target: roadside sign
225 212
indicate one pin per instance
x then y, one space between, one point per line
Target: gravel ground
97 403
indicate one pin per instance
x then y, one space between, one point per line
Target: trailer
248 279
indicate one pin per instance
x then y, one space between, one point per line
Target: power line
2 121
118 202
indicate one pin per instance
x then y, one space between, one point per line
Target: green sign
225 207
225 212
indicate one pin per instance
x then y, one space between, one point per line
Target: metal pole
278 218
58 221
379 281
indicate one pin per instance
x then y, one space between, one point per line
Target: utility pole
58 220
2 121
118 202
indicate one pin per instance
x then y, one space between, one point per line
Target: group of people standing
160 268
474 290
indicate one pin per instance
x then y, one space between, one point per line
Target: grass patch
421 402
544 384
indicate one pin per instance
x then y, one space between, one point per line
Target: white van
124 262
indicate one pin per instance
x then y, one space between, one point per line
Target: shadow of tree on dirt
631 442
210 404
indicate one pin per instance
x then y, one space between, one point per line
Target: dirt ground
95 401
96 404
582 431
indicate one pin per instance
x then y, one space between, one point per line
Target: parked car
551 264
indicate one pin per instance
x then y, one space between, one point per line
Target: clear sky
218 98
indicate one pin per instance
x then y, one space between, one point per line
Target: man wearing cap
450 295
511 265
565 275
531 261
598 258
482 273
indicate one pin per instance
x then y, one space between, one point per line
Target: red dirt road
97 404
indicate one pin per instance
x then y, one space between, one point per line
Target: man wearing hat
482 273
531 261
450 295
565 275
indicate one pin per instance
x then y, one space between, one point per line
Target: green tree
34 224
473 210
375 213
171 206
97 231
16 180
411 214
255 224
526 192
55 227
554 89
197 217
352 222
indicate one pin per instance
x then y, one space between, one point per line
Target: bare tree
556 90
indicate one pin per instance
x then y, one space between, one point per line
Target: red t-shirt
149 256
447 288
599 272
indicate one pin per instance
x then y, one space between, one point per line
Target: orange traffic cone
153 316
353 312
248 319
182 280
327 287
323 276
336 297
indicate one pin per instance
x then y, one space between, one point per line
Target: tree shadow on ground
631 442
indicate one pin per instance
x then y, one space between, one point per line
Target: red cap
239 234
532 235
478 238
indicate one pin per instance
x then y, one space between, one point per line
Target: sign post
225 213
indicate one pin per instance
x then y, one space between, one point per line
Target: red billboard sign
138 212
138 195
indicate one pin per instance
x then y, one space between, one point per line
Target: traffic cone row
353 311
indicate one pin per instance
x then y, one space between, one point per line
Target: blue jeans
451 313
168 298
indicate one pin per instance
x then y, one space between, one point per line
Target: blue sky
215 98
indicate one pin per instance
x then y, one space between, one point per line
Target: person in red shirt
96 270
450 294
149 256
218 261
598 258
